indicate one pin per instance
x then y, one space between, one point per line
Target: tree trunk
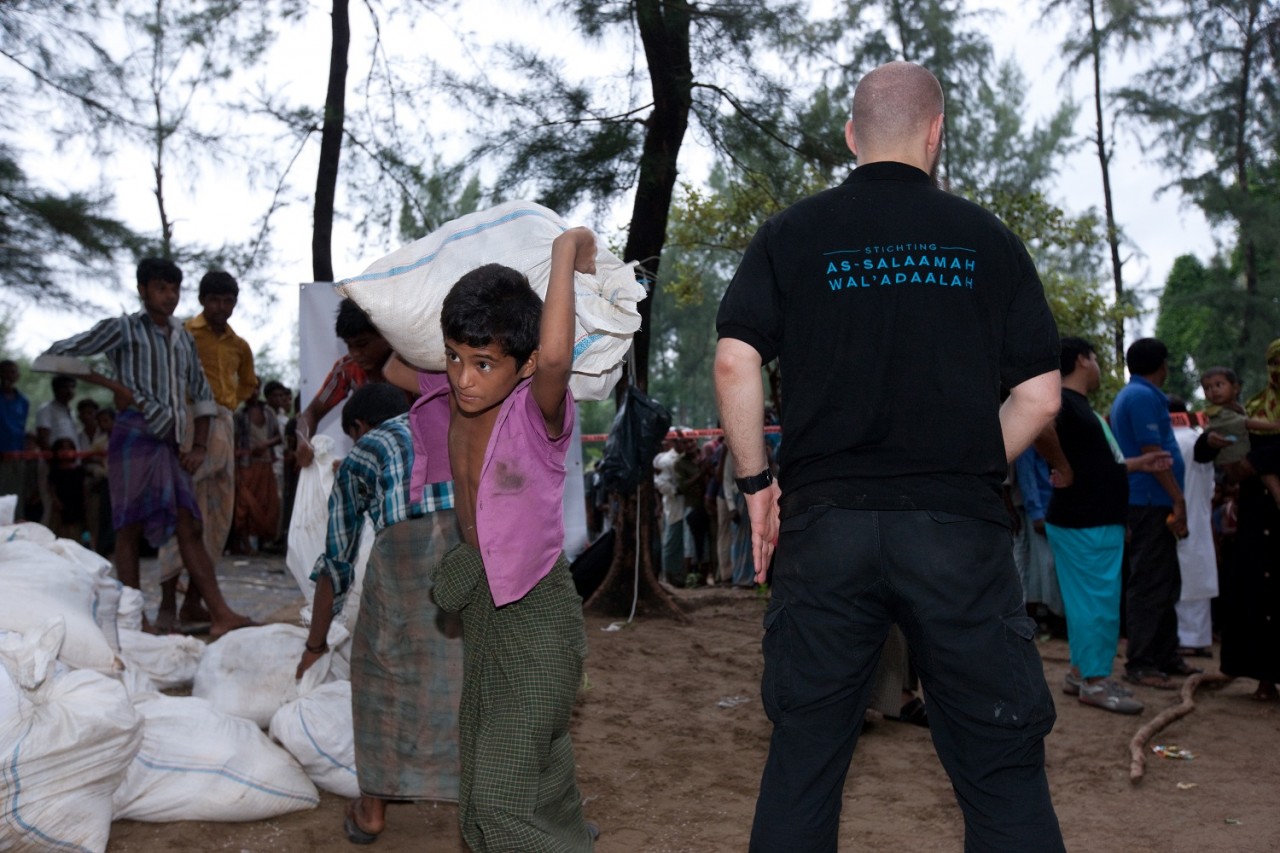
330 146
1104 161
1248 222
619 588
664 30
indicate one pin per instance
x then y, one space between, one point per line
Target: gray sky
212 203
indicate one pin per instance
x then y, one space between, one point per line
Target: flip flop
1151 678
193 629
914 713
355 834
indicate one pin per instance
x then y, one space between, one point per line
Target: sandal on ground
1196 652
1151 678
351 827
914 713
1183 668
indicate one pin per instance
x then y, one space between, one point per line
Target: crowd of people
882 533
60 474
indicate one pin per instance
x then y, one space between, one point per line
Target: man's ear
530 366
848 138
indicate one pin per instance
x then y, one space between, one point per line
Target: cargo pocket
775 685
1029 702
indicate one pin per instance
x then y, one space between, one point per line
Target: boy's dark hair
373 404
1221 371
218 282
493 304
1145 356
164 269
1072 349
272 387
1177 405
352 321
85 403
61 381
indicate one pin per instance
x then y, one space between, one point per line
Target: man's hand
305 454
1217 439
1151 462
763 509
1061 478
1178 520
308 658
583 244
1038 526
192 459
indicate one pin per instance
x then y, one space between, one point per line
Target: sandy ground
662 766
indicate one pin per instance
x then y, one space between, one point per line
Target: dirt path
664 766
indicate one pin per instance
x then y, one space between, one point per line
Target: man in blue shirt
14 409
1157 519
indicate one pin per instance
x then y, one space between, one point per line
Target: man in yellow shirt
227 360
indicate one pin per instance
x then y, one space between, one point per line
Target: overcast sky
213 203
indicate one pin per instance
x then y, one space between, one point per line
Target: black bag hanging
634 439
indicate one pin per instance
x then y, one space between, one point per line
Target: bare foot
194 614
1266 691
166 623
366 817
223 627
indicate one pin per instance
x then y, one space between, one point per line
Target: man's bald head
895 109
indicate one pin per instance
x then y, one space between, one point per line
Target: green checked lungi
406 676
522 665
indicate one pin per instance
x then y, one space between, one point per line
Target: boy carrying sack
500 430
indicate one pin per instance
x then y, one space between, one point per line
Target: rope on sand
1137 746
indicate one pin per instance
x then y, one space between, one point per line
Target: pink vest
519 510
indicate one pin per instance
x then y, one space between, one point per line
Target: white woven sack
249 673
403 292
65 743
310 525
107 602
317 730
199 764
310 515
27 531
169 660
39 584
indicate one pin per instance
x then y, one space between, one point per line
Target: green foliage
46 239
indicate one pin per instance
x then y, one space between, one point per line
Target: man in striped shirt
156 369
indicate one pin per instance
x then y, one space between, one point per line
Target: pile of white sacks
86 736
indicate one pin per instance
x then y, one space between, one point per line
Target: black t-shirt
897 312
1099 492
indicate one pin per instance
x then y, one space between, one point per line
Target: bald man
900 316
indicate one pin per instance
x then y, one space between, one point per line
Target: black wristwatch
751 485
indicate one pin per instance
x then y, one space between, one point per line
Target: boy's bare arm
574 250
399 373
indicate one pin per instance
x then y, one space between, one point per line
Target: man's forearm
740 397
1030 408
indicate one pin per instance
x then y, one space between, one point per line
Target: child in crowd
1227 418
367 350
156 371
257 503
405 675
500 431
67 488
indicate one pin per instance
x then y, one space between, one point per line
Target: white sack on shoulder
39 584
317 730
199 764
65 743
403 292
249 673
